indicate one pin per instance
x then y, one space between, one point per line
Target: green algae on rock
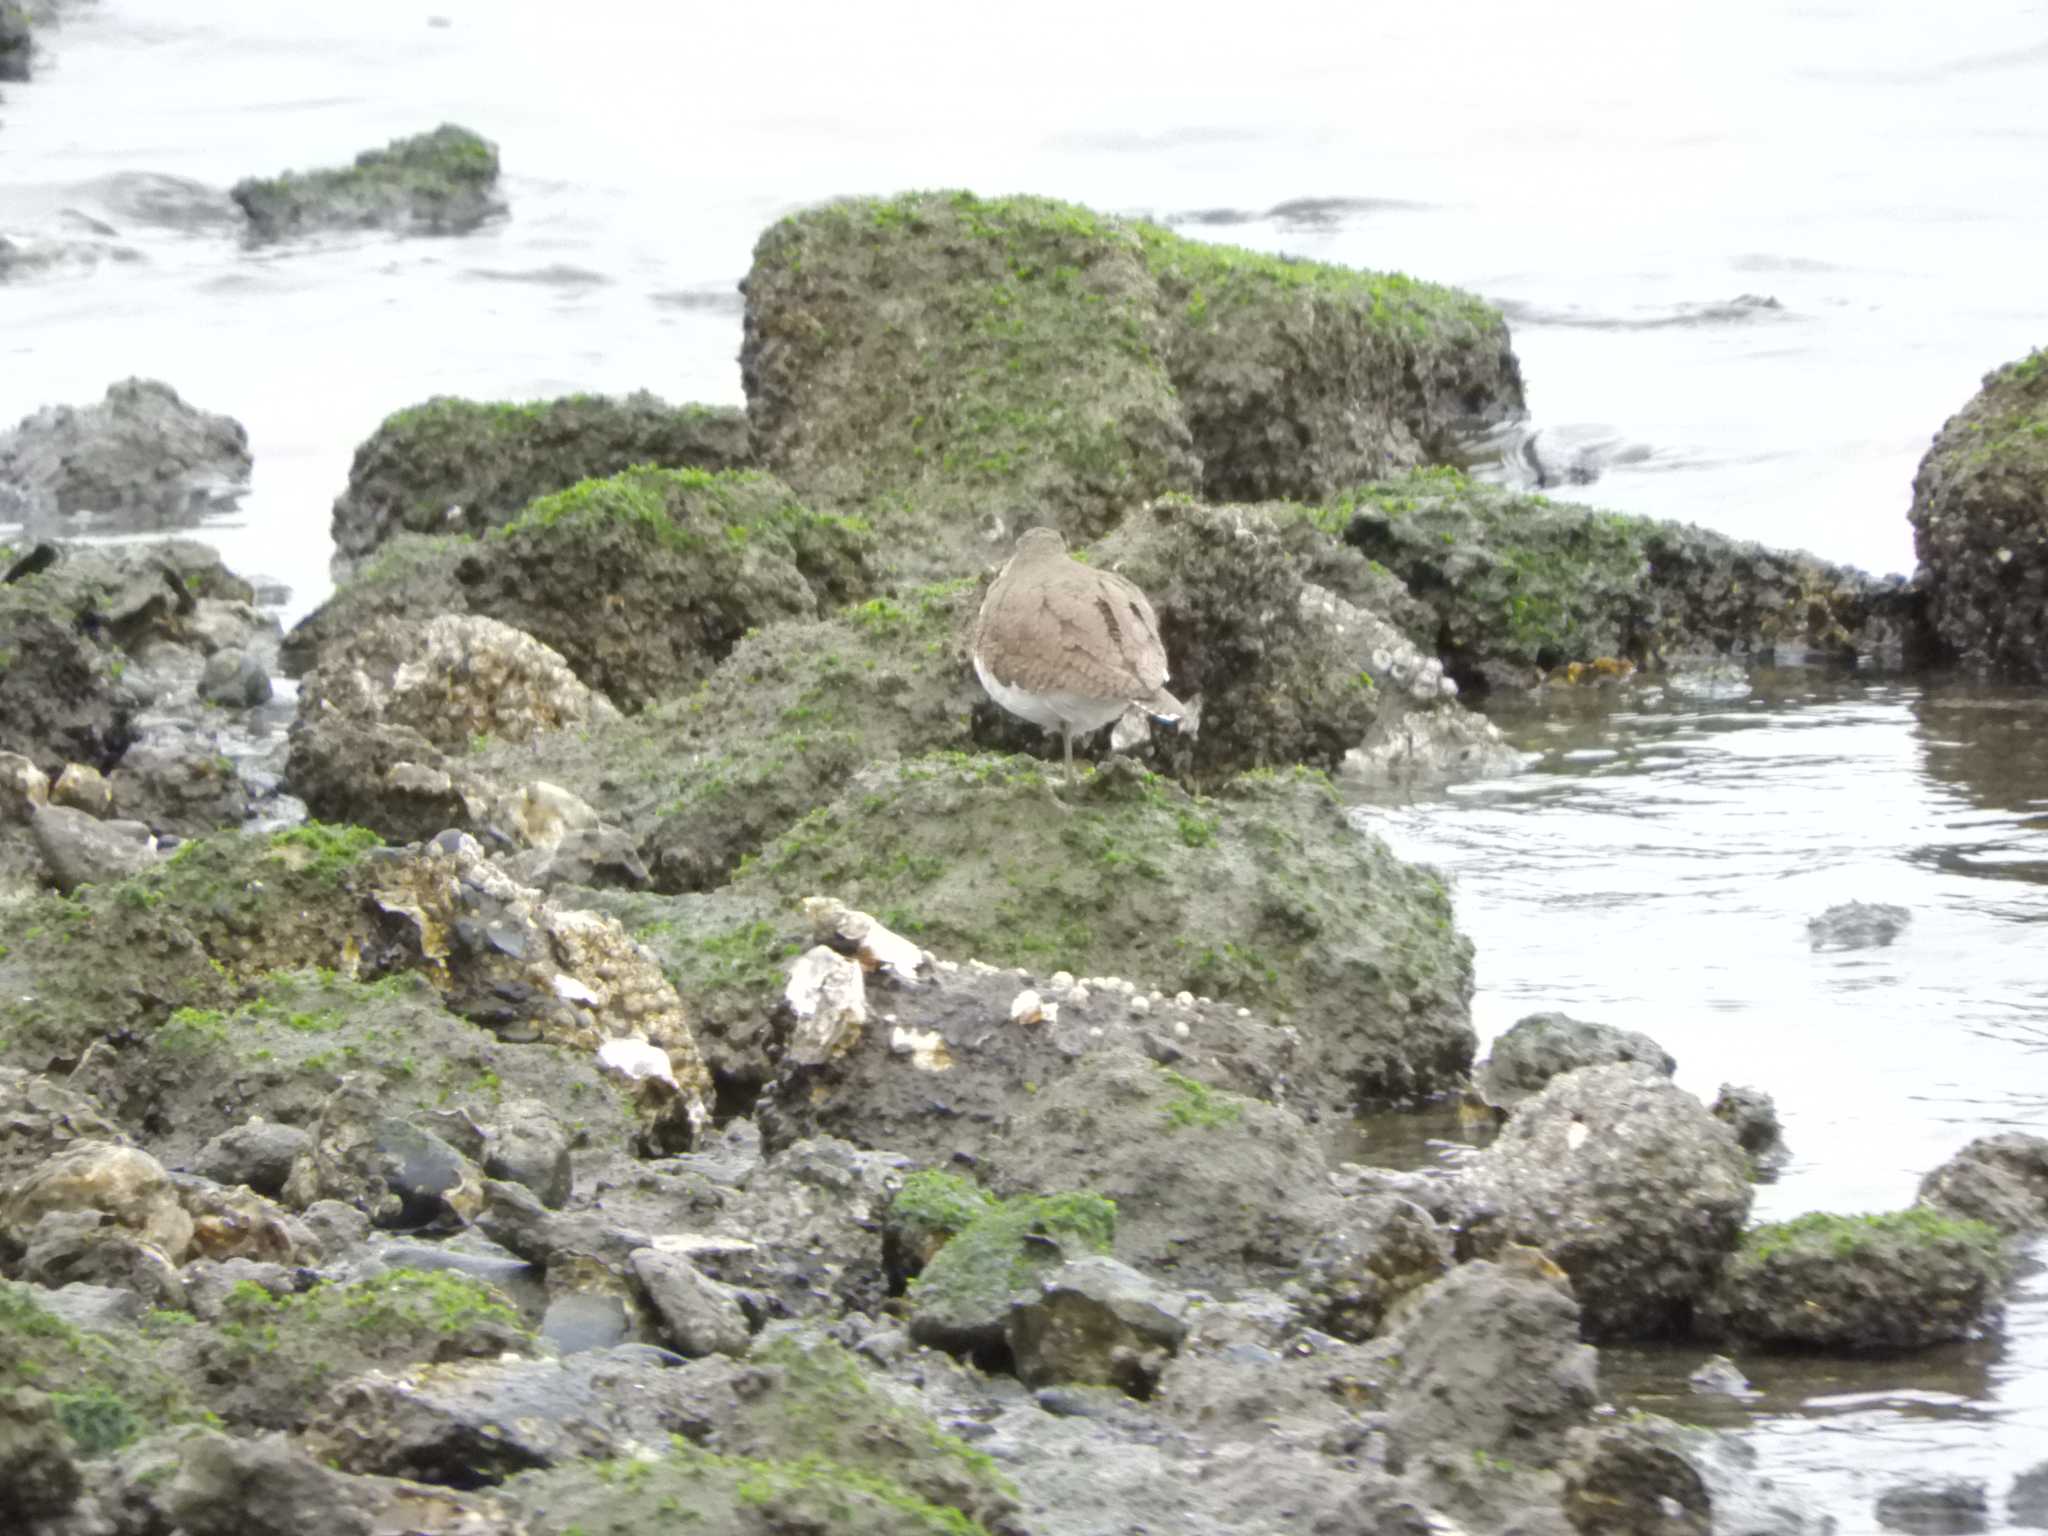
451 465
1980 525
105 1391
1032 356
443 183
269 1359
1282 904
640 580
1894 1281
1520 585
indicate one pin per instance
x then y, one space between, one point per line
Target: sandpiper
1069 647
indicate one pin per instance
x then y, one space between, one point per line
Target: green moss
999 1250
1847 1237
1199 1106
941 1202
105 1392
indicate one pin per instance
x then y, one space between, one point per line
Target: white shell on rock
1027 1007
827 994
635 1059
927 1050
875 946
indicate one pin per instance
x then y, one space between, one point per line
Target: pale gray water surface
1614 174
1655 870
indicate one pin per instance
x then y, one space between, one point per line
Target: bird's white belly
1054 710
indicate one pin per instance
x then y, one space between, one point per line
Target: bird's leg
1067 741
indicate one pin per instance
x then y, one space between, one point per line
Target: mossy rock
268 1360
707 777
443 182
280 1054
106 1390
642 580
1265 895
957 365
996 1253
186 933
450 465
1980 525
1522 586
1860 1284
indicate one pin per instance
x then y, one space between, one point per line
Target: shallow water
1616 179
1655 870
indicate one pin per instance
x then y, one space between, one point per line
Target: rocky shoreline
648 1038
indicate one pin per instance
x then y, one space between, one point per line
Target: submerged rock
1859 1284
439 183
1627 1182
467 466
1520 586
142 456
1857 925
1956 1507
1980 525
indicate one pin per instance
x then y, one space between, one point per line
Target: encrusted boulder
440 183
125 1185
1980 525
1378 1250
467 466
1627 1182
1096 1322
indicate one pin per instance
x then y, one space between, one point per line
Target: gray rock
528 1144
1753 1116
2002 1180
698 1316
1543 1045
176 780
1857 925
96 1308
235 680
482 1421
1955 1507
82 1247
1490 1360
1096 1322
39 1480
43 1116
401 1176
1627 1182
1718 1376
2026 1502
208 1284
141 453
1980 509
17 49
225 1487
1379 1249
78 849
258 1153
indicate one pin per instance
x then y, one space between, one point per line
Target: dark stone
1956 1507
2001 1179
1980 526
1543 1045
